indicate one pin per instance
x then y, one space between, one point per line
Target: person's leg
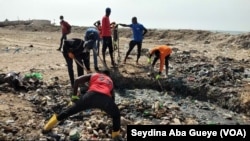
80 105
167 64
64 37
98 46
110 46
95 49
139 46
86 61
104 47
131 46
80 69
106 103
70 68
84 103
157 56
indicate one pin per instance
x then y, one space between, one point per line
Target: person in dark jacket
73 49
91 42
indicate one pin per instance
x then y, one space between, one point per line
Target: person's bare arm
124 25
96 23
81 80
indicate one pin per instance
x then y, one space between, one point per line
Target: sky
225 15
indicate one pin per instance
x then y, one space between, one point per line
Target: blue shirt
137 31
93 31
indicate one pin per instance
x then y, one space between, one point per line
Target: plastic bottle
34 75
37 75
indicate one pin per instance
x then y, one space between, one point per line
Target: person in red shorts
161 52
100 95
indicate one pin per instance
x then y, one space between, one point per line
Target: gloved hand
71 55
149 60
158 76
74 98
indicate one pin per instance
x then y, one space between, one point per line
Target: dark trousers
157 56
64 37
99 42
94 100
81 58
132 44
107 43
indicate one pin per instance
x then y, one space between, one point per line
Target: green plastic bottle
37 75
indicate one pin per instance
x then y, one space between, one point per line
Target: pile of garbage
197 91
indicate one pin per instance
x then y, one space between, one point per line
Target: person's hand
71 55
149 60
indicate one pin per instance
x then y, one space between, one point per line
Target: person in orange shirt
161 52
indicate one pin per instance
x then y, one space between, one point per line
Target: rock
190 121
174 107
125 121
140 122
165 122
175 121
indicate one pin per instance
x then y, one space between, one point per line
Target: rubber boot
115 134
51 123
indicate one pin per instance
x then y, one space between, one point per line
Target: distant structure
40 22
25 22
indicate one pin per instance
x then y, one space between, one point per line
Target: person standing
73 49
138 33
107 37
97 24
100 95
66 29
91 38
161 52
115 37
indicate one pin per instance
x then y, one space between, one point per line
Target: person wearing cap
161 52
97 24
66 29
138 33
107 37
91 38
100 95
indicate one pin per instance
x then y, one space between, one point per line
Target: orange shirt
101 83
164 51
106 29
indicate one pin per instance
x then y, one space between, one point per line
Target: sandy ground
26 51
